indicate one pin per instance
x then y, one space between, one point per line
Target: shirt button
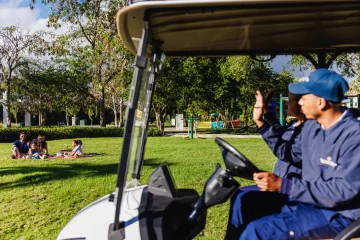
291 233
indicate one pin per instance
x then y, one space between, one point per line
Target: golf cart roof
244 27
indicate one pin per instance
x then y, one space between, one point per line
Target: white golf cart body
153 29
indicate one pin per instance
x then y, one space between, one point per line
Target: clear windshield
139 129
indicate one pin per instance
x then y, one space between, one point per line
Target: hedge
52 133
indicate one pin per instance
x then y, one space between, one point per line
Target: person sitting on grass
20 148
34 151
42 145
77 149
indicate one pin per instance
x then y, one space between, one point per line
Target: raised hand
268 97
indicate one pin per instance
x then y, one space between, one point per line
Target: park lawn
37 198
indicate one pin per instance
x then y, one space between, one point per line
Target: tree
118 93
170 86
204 85
240 77
52 86
94 33
14 45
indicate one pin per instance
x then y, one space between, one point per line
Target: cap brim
299 88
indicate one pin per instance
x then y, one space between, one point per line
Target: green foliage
346 63
153 132
223 85
93 38
52 86
52 133
14 45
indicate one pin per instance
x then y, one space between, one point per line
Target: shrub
154 132
52 133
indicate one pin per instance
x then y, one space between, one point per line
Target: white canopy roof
229 27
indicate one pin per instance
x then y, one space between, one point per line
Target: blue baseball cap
323 83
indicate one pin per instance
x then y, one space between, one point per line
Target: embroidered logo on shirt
328 161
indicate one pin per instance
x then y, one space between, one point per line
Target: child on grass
34 151
77 149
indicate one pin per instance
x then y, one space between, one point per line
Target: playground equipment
281 116
351 101
192 126
152 29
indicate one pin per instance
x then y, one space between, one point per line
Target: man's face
310 106
41 138
294 108
22 137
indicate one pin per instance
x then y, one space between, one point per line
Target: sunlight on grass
39 197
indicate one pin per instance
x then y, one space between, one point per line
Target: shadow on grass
43 174
154 162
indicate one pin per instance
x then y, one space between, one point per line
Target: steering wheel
236 163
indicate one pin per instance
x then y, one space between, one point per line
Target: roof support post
116 230
321 59
157 62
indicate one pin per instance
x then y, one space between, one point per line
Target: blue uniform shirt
22 146
331 167
278 138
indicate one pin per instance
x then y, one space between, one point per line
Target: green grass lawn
37 198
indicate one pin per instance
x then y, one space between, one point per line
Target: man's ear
322 103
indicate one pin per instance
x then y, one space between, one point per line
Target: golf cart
152 30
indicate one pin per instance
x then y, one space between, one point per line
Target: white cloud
41 24
12 14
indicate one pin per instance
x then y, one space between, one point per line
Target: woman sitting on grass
42 145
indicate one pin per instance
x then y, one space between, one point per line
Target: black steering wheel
236 163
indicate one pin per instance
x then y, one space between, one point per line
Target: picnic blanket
82 156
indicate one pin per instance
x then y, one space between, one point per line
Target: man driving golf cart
330 146
152 30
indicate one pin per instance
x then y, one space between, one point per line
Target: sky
17 12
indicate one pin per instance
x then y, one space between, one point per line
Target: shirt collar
340 118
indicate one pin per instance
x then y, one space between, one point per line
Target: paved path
222 135
173 133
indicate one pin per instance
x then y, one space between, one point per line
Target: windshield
140 130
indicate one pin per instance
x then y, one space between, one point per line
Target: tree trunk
115 118
158 121
67 116
121 103
40 118
160 117
7 103
102 107
163 117
114 110
43 119
246 118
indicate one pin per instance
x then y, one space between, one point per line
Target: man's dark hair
22 133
